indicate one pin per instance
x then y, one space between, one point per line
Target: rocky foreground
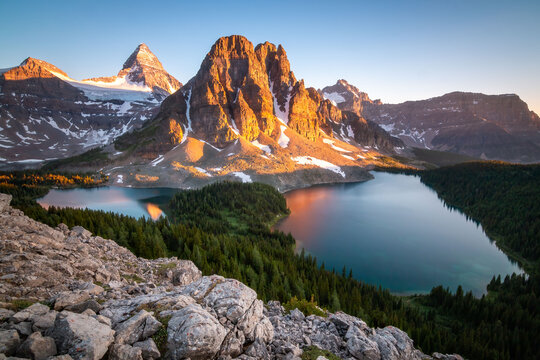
92 299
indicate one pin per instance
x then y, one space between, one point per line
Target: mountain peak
231 46
346 96
143 68
32 68
142 56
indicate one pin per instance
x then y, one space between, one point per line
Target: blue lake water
392 231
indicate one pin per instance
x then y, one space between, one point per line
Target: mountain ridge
245 114
45 114
498 127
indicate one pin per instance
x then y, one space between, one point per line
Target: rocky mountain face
483 126
44 114
93 299
244 112
242 90
144 69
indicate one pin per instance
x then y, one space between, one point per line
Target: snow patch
331 143
334 97
124 108
263 147
282 116
309 160
244 177
233 127
283 140
203 171
212 146
188 127
157 160
387 127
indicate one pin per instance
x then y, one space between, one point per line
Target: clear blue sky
394 50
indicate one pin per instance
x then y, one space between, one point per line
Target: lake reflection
147 202
393 231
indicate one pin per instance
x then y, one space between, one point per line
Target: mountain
89 298
143 69
483 126
44 114
245 115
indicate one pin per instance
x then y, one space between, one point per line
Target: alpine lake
392 231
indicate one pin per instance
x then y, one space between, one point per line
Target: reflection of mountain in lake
149 203
154 211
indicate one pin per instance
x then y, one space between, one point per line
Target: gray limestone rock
137 328
149 349
81 336
37 347
125 352
194 333
9 341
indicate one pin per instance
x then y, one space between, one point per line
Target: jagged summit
242 90
245 110
346 96
142 56
143 69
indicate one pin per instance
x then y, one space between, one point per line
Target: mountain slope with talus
495 127
245 116
45 114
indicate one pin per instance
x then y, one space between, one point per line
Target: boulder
9 341
149 349
297 315
81 307
360 346
33 310
80 231
70 298
185 273
139 327
125 352
395 344
229 298
43 322
194 333
5 314
24 328
5 200
37 347
81 336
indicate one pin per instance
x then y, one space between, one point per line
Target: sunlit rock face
242 90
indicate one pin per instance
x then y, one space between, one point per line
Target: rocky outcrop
99 301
